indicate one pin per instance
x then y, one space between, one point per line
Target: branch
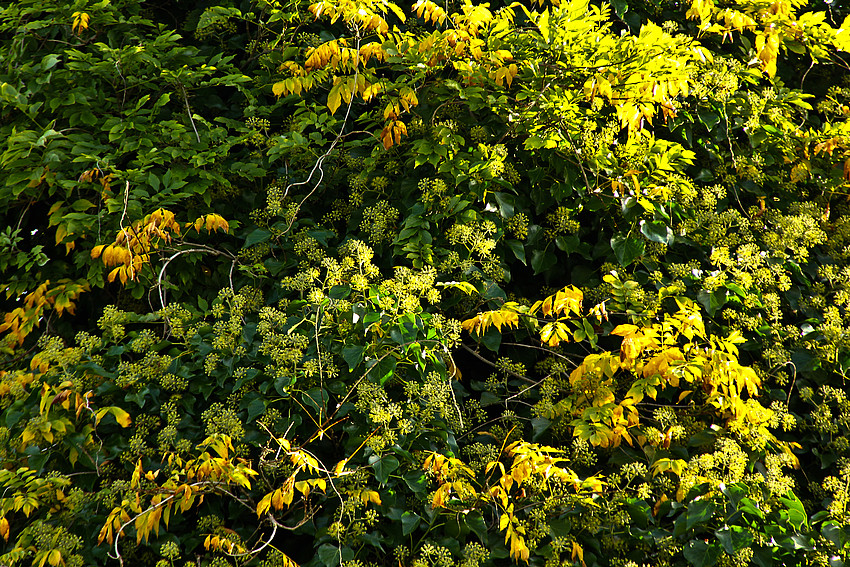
492 364
201 248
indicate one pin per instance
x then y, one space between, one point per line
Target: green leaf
339 292
710 119
748 506
539 426
256 406
733 538
620 7
712 301
416 482
702 554
506 204
626 249
330 555
518 250
409 523
699 512
256 236
736 288
353 355
491 339
82 205
796 541
834 533
542 261
384 467
317 399
382 370
657 231
476 524
796 512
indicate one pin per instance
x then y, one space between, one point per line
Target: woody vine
357 283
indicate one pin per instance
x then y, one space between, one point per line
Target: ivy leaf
699 512
476 524
627 249
384 467
796 513
620 7
712 301
339 292
657 231
256 406
506 204
382 370
518 249
353 355
491 339
330 555
733 538
709 119
542 260
257 236
702 554
409 522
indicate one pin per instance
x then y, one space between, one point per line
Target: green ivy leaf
256 236
626 249
542 260
255 407
702 554
712 301
409 523
353 355
657 231
330 555
518 249
384 467
733 538
699 512
797 516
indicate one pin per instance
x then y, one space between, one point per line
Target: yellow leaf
577 552
137 475
121 416
100 414
374 498
278 89
113 273
623 330
334 98
80 22
264 504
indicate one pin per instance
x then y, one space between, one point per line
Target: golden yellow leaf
121 416
80 22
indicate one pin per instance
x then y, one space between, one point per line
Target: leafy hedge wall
353 283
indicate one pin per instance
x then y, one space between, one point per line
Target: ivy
352 283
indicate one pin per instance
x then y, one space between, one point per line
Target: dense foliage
352 283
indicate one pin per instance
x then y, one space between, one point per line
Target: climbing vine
356 283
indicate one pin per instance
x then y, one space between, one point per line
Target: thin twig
189 110
202 248
493 364
323 157
124 216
